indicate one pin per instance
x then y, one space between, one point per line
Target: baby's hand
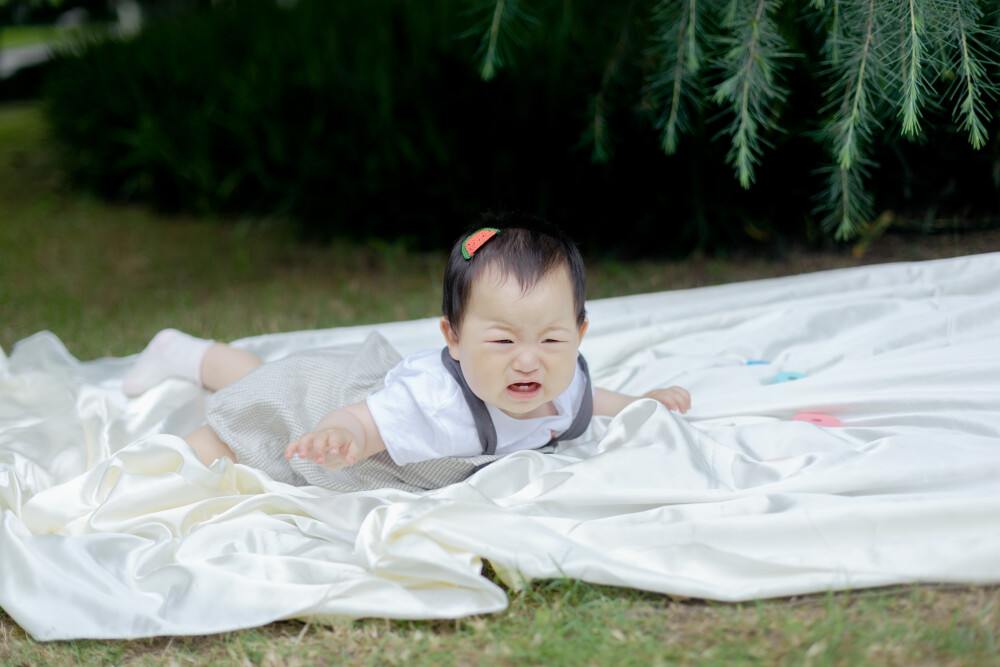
339 442
675 398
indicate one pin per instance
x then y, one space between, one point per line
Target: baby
510 378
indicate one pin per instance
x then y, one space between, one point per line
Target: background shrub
373 118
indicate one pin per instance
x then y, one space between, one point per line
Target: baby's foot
171 353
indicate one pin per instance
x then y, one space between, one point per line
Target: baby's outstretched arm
610 403
349 434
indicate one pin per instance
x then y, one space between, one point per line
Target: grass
106 277
574 623
29 35
12 37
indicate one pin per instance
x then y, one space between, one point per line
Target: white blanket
111 528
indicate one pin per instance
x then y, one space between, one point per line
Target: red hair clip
475 241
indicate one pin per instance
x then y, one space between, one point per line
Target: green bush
380 118
361 118
252 108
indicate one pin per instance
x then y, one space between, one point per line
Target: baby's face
518 350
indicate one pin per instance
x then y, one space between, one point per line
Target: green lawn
15 36
105 277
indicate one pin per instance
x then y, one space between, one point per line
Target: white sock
171 353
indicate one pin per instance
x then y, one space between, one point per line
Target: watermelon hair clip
475 241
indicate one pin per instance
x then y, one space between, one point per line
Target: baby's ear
583 327
450 337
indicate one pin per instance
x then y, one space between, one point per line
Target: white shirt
422 414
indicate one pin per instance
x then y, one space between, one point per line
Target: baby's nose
526 361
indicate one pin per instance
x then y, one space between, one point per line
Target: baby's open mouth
524 388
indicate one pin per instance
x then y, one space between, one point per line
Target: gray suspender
484 423
586 410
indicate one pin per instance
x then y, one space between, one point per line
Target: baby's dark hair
527 247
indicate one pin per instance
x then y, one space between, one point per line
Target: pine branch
491 57
849 134
836 34
731 12
675 122
914 84
751 88
506 22
602 104
834 28
882 61
854 125
972 84
848 199
679 47
692 46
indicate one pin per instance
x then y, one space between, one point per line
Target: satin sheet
111 528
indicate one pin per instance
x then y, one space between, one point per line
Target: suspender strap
586 410
484 423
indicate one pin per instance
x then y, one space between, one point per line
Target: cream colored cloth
111 528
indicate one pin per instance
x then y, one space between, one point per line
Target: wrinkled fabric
111 528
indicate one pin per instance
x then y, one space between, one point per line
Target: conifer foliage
887 70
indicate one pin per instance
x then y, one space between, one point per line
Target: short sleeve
421 413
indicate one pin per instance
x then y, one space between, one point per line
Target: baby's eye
551 340
506 341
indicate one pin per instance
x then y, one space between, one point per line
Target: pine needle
860 86
680 31
971 74
506 24
914 84
751 88
603 99
490 58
